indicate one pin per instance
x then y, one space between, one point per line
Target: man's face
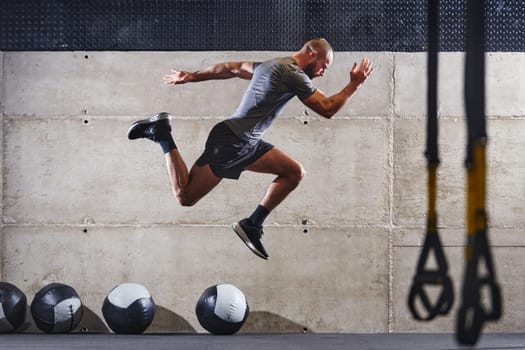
318 67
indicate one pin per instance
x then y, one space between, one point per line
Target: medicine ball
57 308
222 309
129 308
13 304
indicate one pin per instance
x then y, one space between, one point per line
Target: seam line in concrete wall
461 245
457 117
8 223
2 136
390 176
2 253
134 118
458 227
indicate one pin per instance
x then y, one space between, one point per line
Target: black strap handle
431 277
473 312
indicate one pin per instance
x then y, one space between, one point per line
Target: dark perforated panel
365 25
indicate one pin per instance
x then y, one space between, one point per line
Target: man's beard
309 70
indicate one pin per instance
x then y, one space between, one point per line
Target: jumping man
235 144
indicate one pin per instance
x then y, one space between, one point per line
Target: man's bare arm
328 106
226 70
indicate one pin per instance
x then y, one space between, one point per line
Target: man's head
318 56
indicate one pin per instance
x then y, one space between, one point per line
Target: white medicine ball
222 309
57 308
129 308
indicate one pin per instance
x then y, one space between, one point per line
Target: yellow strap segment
432 198
476 192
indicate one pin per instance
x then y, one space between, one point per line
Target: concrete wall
82 205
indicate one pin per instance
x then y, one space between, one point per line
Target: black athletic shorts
227 154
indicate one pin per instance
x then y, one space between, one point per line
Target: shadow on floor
267 322
168 321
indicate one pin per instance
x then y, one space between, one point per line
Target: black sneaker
251 235
155 128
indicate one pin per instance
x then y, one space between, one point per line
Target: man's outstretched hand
360 73
177 77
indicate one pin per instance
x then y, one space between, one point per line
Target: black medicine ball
57 308
13 304
129 308
222 309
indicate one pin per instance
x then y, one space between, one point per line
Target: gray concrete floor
245 341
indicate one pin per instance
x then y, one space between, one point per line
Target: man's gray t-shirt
273 84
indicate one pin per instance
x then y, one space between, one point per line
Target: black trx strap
431 277
473 311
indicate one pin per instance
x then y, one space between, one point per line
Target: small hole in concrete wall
86 121
85 230
305 330
86 57
305 230
305 122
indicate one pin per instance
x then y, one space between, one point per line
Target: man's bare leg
190 187
289 173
